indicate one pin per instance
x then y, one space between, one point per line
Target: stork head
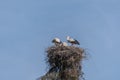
68 37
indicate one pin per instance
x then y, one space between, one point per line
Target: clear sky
28 26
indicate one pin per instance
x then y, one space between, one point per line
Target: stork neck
68 38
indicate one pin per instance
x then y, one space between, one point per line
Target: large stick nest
65 61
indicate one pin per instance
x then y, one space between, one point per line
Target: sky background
28 26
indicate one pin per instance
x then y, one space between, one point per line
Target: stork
64 44
56 41
72 41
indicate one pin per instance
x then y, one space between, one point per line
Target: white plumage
72 41
56 41
64 44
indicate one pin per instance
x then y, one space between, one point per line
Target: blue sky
28 26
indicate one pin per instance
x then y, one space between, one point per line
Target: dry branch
65 62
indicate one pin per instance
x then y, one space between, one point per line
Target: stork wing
53 40
72 40
77 42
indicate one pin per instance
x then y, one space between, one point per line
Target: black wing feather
76 42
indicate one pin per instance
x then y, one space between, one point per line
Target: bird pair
58 42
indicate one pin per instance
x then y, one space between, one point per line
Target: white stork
64 44
72 41
56 41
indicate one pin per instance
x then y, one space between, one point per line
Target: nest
65 61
